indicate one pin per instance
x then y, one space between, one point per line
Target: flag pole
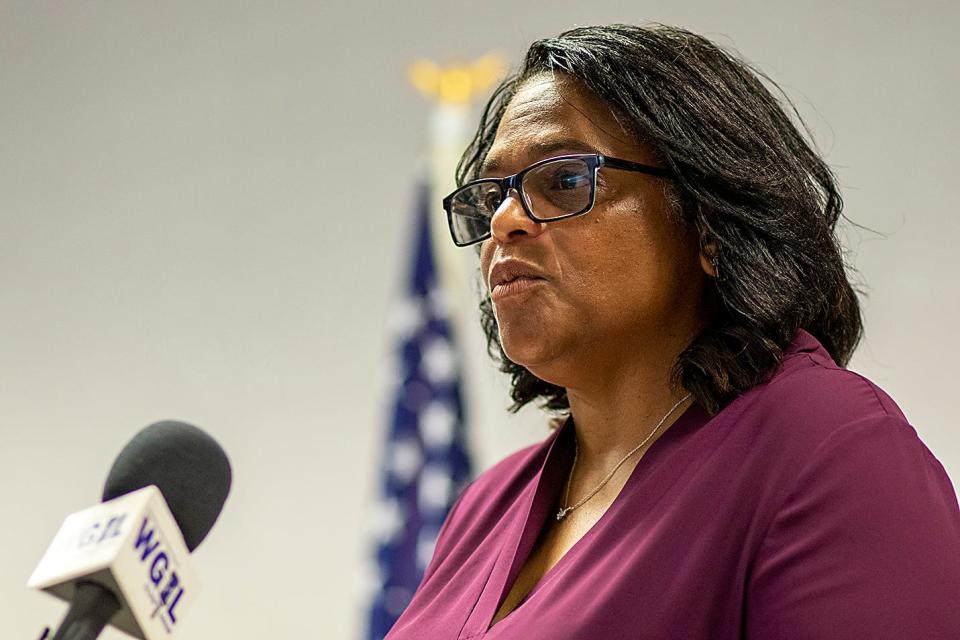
453 90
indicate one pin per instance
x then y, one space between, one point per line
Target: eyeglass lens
557 189
552 190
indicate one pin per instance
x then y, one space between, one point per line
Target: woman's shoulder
500 484
810 406
857 505
810 397
490 497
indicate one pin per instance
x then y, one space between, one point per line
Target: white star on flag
437 423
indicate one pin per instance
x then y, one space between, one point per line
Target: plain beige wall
202 213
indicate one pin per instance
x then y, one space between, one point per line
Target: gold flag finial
457 83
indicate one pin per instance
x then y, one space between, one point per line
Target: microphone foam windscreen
187 465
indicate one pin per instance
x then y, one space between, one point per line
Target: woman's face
622 280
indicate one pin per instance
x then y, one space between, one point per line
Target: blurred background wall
204 209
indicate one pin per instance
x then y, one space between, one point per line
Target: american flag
425 461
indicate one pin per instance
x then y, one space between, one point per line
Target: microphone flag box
132 546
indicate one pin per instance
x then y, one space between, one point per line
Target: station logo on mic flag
425 460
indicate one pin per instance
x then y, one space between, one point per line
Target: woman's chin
526 353
534 352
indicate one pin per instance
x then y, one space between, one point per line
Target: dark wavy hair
746 180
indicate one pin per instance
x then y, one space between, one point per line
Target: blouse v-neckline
539 504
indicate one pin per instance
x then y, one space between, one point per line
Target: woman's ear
709 251
708 257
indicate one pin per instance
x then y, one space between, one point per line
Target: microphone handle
92 607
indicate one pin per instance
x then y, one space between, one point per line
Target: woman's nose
510 221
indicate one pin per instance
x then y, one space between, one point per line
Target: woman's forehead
550 115
540 97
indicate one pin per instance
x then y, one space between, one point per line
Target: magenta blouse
806 509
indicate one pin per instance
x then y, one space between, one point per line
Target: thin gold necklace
562 513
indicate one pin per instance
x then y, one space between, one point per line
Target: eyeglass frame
594 161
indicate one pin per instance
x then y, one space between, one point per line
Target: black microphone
187 465
125 561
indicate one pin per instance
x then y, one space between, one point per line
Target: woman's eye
492 201
571 181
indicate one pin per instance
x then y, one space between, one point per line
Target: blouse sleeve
866 545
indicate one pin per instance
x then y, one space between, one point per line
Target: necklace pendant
563 513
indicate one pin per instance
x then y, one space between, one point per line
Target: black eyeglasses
551 189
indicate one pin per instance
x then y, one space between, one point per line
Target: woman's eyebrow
539 151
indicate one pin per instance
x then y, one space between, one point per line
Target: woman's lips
515 287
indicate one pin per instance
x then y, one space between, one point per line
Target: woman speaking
657 240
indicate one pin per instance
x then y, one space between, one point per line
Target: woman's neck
617 409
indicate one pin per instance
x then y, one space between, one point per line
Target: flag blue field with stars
425 461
